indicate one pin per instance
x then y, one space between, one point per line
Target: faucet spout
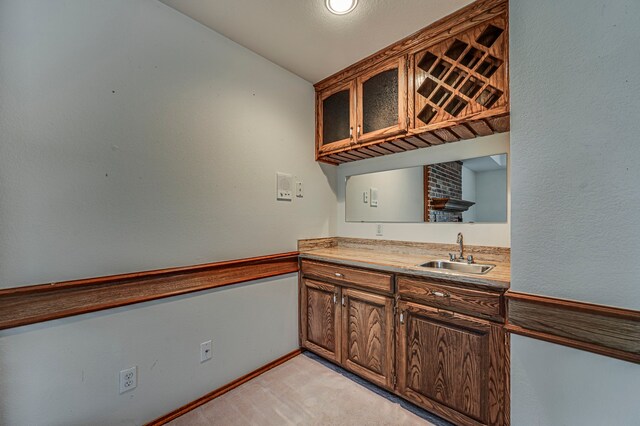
459 241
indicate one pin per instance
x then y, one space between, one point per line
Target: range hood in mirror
451 205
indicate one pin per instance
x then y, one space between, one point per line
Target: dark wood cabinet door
451 364
335 118
367 326
382 101
320 318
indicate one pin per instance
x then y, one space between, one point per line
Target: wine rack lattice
463 75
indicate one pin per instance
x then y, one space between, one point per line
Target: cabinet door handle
339 275
343 301
401 317
335 299
440 293
350 132
358 133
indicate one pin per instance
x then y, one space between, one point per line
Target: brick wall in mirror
471 191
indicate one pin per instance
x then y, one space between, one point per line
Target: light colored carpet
300 392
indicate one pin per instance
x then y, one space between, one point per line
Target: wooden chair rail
604 330
31 304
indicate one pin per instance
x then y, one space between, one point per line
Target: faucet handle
470 259
452 257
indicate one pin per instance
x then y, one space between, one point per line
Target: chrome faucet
459 241
460 258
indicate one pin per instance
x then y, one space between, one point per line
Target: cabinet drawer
377 281
474 302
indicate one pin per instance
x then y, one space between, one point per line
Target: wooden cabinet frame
356 110
490 359
460 360
473 113
321 148
332 318
379 355
402 125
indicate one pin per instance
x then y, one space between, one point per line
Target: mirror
471 191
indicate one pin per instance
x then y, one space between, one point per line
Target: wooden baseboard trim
605 330
32 304
222 390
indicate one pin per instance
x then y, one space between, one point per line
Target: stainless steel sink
467 268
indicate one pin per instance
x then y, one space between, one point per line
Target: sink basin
474 268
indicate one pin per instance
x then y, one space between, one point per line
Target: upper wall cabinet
445 83
370 107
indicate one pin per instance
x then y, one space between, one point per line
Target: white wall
469 193
400 196
134 138
65 372
575 97
493 234
491 204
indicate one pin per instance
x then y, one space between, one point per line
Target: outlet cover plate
128 379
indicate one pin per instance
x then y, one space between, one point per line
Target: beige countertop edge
483 280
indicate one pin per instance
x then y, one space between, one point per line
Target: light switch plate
205 351
365 197
374 197
299 189
284 189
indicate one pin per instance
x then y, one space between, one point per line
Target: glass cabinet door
382 101
336 118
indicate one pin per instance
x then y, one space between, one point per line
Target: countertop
403 257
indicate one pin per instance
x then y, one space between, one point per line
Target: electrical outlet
128 379
379 229
205 351
299 190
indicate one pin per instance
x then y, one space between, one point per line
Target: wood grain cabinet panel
367 325
366 279
485 304
320 318
451 364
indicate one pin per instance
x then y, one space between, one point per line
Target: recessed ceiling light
341 7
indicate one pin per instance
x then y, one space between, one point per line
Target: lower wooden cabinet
451 364
367 327
320 318
350 327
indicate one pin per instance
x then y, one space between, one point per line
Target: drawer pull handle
440 293
339 275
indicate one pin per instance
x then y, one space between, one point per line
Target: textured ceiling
305 38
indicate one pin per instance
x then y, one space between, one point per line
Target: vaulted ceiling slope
303 37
